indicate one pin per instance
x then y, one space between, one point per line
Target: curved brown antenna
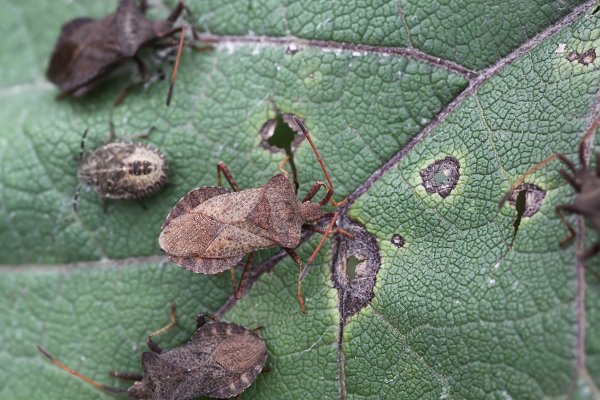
585 137
109 389
306 134
176 67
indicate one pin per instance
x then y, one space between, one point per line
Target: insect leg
223 168
569 178
143 73
153 346
245 276
126 376
202 317
84 378
300 264
176 12
569 208
592 251
598 164
587 134
76 197
312 228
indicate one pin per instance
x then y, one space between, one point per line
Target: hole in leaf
281 134
355 267
587 57
531 199
441 176
351 263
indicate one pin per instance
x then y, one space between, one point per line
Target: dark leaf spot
588 57
397 240
533 197
441 176
355 267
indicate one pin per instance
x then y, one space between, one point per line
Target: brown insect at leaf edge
210 229
88 49
121 170
221 360
586 183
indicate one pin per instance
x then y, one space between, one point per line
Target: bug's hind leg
245 276
153 346
569 208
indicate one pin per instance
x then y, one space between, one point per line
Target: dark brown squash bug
220 360
121 170
211 229
88 49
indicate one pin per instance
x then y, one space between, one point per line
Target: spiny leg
153 346
176 12
566 161
224 169
327 232
592 251
84 378
202 317
245 276
598 164
569 208
300 264
143 73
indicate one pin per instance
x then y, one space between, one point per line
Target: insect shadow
88 49
121 170
210 229
220 360
586 183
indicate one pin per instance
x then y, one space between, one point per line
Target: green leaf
386 89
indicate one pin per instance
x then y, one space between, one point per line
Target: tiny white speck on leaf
562 47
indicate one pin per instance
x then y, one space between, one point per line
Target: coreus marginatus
121 170
88 49
586 183
211 229
221 360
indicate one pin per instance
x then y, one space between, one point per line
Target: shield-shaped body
211 229
221 360
122 170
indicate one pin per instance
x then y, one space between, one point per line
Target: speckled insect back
124 170
221 360
121 170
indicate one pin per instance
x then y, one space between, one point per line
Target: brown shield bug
88 50
211 229
586 183
220 360
121 170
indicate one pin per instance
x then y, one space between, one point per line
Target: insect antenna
108 389
584 139
176 67
307 136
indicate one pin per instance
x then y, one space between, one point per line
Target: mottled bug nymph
121 170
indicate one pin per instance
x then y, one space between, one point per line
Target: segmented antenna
84 378
176 67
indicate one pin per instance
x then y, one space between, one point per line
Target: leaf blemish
585 58
355 267
441 176
397 240
534 195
